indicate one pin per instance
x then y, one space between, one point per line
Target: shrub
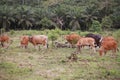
96 26
12 32
53 36
106 22
117 35
46 23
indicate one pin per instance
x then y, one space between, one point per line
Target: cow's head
30 38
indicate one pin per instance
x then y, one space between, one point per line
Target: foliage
47 23
106 22
116 34
41 14
96 26
53 35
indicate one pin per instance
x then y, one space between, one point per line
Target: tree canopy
64 14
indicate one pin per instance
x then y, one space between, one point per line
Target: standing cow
72 38
39 39
108 43
96 37
4 38
35 40
86 41
24 41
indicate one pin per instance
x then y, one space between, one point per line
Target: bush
96 26
46 23
53 36
106 22
12 32
117 35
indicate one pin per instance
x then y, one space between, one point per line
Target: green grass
52 64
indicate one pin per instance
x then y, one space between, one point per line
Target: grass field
52 64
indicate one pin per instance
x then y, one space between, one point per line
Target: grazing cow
96 37
108 43
39 39
4 38
72 38
24 41
85 41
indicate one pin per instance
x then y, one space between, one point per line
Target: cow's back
4 38
96 37
72 38
109 45
85 41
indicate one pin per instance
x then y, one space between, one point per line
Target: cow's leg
93 47
25 46
105 52
35 46
71 45
114 52
39 47
2 44
45 46
79 49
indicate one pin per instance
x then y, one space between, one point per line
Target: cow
39 39
4 38
96 37
86 41
72 38
108 43
24 41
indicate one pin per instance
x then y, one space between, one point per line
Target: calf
86 41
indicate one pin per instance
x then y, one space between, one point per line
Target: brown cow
72 38
24 41
108 43
4 38
86 41
39 39
35 40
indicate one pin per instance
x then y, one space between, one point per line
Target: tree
24 17
6 16
96 26
47 23
106 22
74 24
